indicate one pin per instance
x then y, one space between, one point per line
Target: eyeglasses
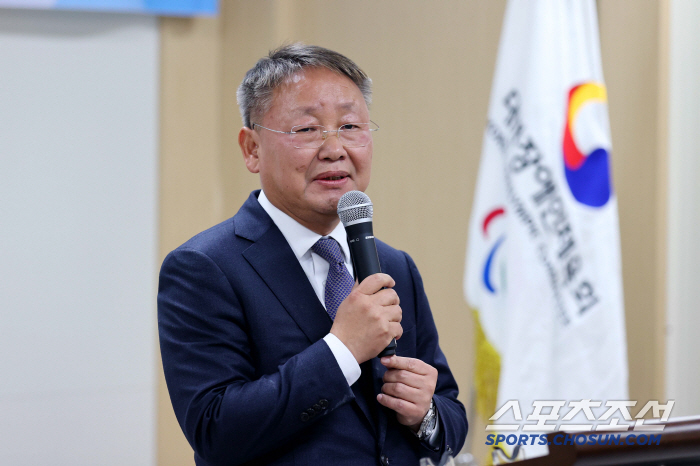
313 136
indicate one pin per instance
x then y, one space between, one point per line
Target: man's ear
250 145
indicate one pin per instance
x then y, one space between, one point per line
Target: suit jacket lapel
273 259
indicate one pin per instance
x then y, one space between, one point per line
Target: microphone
355 211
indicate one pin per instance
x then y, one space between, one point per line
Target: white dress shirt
301 239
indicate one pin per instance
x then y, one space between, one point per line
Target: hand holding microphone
370 316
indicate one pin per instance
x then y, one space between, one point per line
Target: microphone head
355 207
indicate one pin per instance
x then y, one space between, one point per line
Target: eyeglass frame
324 133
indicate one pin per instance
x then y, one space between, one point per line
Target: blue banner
158 7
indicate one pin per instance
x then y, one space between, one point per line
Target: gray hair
255 92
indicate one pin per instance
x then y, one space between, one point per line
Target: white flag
543 270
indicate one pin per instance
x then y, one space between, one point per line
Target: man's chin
328 199
327 207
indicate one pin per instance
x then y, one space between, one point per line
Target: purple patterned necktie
339 282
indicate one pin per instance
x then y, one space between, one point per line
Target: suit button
317 408
323 403
304 417
384 460
311 412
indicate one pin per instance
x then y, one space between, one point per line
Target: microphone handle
365 261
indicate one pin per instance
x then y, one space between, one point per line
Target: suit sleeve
228 413
452 415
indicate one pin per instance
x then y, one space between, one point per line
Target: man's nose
332 147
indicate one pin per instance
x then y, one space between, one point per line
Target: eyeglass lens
313 136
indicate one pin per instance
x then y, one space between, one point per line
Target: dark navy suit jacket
249 375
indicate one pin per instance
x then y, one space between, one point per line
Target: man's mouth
332 176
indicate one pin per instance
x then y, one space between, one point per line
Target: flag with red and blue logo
543 271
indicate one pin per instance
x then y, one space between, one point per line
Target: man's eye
305 129
349 127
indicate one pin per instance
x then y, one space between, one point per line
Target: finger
408 364
387 297
403 407
396 329
404 392
376 282
405 377
393 313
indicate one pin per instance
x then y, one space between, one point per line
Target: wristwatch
427 427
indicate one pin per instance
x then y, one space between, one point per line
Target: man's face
307 183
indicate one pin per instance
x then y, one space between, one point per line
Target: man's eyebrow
306 110
310 109
348 105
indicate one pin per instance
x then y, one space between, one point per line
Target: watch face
431 424
428 425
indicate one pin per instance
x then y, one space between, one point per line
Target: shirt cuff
346 361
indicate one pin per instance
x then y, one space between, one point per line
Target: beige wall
432 65
634 43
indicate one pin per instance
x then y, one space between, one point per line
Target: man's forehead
313 90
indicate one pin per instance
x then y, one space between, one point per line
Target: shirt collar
299 237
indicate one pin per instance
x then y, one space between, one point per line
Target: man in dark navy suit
269 351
